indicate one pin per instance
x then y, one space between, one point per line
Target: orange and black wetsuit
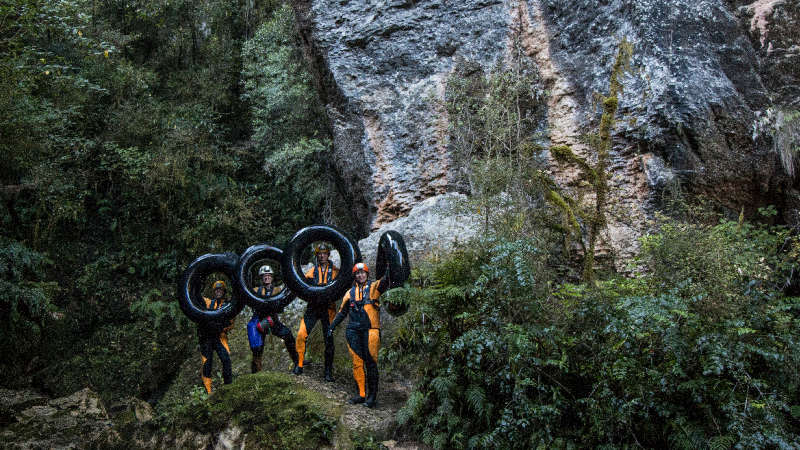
363 333
213 339
318 275
269 324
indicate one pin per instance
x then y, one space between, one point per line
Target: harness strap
365 295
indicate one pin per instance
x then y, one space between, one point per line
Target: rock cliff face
702 70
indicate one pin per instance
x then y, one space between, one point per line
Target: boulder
79 420
433 225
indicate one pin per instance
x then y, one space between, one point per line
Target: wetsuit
261 324
212 340
318 275
363 333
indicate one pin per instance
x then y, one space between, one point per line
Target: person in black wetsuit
363 332
321 274
213 339
261 324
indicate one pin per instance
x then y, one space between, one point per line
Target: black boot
255 364
372 387
297 370
329 361
355 400
328 373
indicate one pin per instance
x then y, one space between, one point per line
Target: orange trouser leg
358 371
300 343
374 343
206 380
223 337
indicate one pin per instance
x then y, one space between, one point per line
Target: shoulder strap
368 291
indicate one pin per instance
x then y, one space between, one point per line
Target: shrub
661 360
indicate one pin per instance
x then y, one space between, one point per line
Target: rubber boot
297 370
207 384
372 388
255 365
356 400
329 362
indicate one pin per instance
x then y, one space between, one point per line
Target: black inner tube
190 289
295 279
392 256
272 304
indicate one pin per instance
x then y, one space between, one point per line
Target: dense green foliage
700 350
135 136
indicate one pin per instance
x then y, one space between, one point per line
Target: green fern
476 398
723 442
442 386
412 408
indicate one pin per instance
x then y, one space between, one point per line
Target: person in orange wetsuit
213 339
363 331
321 274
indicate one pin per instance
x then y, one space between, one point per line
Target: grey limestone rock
702 69
78 420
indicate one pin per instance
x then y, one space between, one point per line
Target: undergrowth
697 351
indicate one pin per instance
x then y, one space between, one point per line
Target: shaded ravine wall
702 69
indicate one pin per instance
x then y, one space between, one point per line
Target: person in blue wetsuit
261 324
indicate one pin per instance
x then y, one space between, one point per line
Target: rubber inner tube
349 254
190 289
396 309
392 256
272 304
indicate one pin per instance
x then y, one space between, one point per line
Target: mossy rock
272 410
76 421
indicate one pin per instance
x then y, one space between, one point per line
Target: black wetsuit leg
282 331
225 357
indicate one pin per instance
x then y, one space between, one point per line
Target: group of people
361 304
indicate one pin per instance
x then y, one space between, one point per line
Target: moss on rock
272 410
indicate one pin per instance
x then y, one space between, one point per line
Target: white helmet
264 270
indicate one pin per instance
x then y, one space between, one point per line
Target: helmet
219 284
265 270
322 248
360 266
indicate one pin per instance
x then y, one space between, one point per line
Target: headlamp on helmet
219 284
322 248
360 266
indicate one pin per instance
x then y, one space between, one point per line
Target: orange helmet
360 266
219 284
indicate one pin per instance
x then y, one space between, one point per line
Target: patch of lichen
271 408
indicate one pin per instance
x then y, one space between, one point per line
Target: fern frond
476 398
